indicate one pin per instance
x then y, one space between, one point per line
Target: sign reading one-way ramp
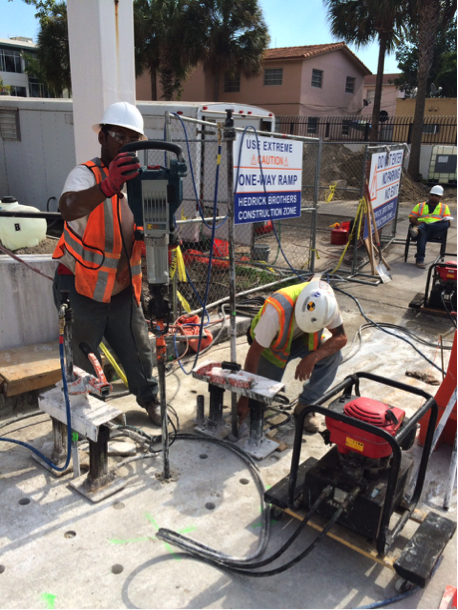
267 178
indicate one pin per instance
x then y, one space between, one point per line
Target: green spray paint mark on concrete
49 600
166 544
146 538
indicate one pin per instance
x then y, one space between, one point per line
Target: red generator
439 296
366 482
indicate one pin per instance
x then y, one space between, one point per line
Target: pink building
318 80
390 93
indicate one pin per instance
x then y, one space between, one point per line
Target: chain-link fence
269 252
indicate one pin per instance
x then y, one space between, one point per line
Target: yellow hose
114 364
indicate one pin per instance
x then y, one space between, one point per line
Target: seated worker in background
429 219
289 326
100 261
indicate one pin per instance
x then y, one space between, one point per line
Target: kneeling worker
289 326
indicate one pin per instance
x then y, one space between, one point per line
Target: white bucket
20 232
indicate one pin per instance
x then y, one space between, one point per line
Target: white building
13 61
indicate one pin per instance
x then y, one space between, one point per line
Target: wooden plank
377 236
350 540
369 243
29 367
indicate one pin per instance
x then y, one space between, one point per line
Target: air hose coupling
62 316
350 498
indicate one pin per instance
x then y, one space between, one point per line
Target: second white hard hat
122 114
315 306
437 190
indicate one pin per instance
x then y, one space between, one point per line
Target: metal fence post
316 191
229 137
363 181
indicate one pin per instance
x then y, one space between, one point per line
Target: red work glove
124 167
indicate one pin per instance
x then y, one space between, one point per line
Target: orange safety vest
98 252
284 301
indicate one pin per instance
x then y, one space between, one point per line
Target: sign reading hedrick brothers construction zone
267 178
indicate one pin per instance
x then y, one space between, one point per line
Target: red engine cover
348 438
447 271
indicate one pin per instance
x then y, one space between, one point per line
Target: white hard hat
315 306
122 114
437 190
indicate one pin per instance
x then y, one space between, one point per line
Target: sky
291 23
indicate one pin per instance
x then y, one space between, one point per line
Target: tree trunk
216 86
429 15
378 88
167 83
153 74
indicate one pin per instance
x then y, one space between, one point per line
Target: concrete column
101 37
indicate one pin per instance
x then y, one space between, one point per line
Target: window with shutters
350 84
9 125
273 76
231 82
317 78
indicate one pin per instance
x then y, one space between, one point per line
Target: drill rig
154 196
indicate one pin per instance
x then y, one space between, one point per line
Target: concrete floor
58 550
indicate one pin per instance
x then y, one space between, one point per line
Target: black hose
246 571
181 541
212 554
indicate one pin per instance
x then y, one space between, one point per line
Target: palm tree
362 21
52 64
428 15
167 35
236 39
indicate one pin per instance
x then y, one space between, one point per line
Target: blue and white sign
267 178
384 184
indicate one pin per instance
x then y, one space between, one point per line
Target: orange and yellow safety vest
98 252
441 212
284 301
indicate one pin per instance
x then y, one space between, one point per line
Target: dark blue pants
123 325
425 233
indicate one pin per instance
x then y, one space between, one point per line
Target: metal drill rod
159 309
161 351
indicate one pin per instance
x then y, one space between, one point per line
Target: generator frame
421 299
286 493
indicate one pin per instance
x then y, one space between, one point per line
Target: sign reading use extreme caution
384 183
268 179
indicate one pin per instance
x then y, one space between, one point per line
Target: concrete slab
60 551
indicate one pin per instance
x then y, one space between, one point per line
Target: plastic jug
20 232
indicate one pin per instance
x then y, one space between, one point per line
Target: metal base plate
219 432
257 450
418 302
96 495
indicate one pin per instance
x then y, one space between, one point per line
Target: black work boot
153 408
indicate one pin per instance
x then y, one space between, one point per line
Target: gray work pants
123 325
320 380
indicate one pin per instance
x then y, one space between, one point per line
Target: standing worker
289 326
99 259
430 219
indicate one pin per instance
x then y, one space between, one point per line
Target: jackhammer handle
154 145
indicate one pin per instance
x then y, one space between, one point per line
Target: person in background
290 326
99 259
430 219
